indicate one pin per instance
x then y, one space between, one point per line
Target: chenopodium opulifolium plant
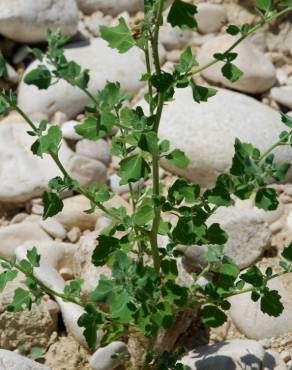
142 295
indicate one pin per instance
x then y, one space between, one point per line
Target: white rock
210 17
273 361
53 228
282 95
12 361
86 170
174 37
110 6
59 255
95 20
102 358
14 235
99 150
248 236
25 176
248 317
69 132
84 268
258 76
29 21
120 189
207 133
232 355
70 311
105 64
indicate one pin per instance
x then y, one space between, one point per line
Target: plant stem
44 288
233 46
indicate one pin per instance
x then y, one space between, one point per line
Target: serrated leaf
231 72
186 61
202 93
52 204
21 300
287 120
178 158
182 14
40 77
265 5
271 303
287 253
143 215
266 199
233 30
5 277
33 257
133 169
118 37
213 317
49 143
106 245
253 276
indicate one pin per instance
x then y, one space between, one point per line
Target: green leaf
162 82
89 129
3 68
218 196
49 143
253 276
100 195
186 61
169 268
21 300
90 320
215 235
178 158
228 273
287 120
143 215
52 204
231 72
202 93
181 190
5 277
214 253
182 14
74 288
39 77
36 353
33 257
105 247
213 317
287 253
266 199
118 37
133 169
233 30
265 5
271 303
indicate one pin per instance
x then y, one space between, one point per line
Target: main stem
155 157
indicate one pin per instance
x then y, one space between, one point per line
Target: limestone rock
27 328
207 133
258 76
102 358
99 150
30 20
110 6
282 95
248 237
248 317
232 355
105 64
12 361
15 235
210 17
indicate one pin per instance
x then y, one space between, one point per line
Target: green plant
140 298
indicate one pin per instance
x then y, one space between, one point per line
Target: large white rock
103 359
105 64
258 76
248 317
282 95
30 20
206 132
232 355
248 236
12 361
110 6
210 17
24 175
13 236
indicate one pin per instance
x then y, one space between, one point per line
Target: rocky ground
248 109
